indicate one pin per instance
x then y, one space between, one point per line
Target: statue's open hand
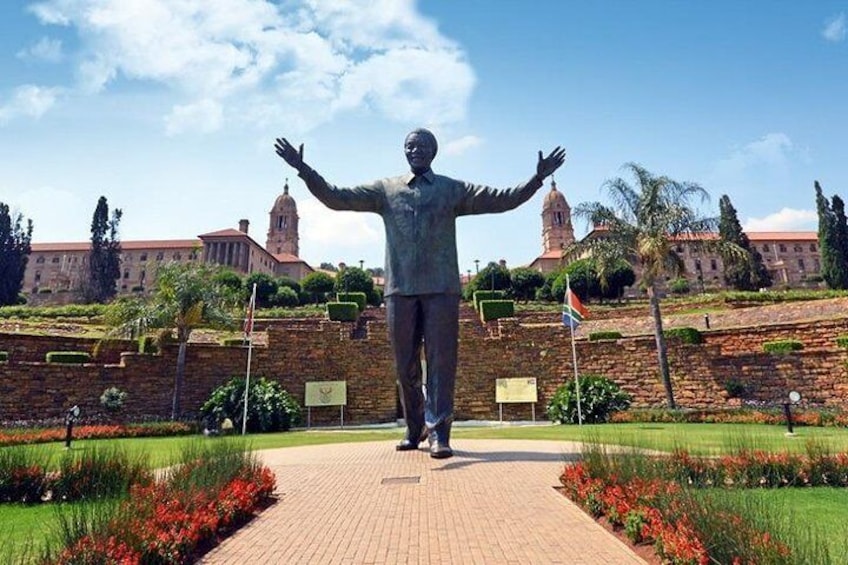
551 163
292 156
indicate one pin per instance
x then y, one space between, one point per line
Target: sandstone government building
54 269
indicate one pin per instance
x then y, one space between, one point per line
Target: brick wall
300 351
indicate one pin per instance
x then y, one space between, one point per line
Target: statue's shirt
419 213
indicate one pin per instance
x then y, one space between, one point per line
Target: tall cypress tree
104 258
840 241
746 272
832 262
14 254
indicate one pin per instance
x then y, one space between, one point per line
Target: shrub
343 311
269 407
599 398
735 388
147 344
842 341
45 291
360 298
75 357
22 474
679 286
4 356
137 288
687 335
96 473
494 309
113 399
782 346
480 295
286 297
233 342
598 336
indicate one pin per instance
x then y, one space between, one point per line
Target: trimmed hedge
842 341
4 356
598 336
343 311
783 346
233 342
360 298
74 357
691 336
494 309
481 295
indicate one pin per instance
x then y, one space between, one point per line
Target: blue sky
169 108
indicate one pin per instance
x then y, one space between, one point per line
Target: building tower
557 232
282 228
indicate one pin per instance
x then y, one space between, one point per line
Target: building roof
783 236
228 232
68 247
287 258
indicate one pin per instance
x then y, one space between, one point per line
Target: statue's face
419 152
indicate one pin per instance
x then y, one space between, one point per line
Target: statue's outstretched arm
547 165
292 156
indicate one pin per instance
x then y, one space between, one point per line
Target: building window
713 265
54 260
558 221
798 249
766 248
813 247
801 264
698 266
176 257
282 222
816 265
143 257
141 276
160 256
126 274
782 248
37 276
40 259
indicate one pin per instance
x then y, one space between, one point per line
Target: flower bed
19 437
800 417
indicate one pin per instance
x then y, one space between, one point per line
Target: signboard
516 390
326 393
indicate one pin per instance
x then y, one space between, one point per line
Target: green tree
104 257
230 280
745 272
328 267
354 279
493 276
185 298
266 288
288 282
525 283
583 279
840 239
318 285
833 263
15 241
642 225
615 277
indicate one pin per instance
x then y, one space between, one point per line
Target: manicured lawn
25 529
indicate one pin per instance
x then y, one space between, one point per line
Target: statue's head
420 148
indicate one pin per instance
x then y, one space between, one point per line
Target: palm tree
186 297
643 225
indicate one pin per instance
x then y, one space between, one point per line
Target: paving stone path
364 503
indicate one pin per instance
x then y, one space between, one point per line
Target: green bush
45 291
494 309
4 356
66 311
360 298
598 336
783 346
687 335
233 342
343 311
269 407
842 341
735 388
147 344
75 357
599 398
113 399
679 286
480 295
286 297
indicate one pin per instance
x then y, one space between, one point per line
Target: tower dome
557 231
282 226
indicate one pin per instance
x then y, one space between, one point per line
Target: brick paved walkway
364 503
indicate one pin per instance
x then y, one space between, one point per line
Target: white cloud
459 146
787 219
46 49
28 100
204 116
297 63
835 28
329 228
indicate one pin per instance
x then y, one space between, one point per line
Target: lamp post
477 266
362 264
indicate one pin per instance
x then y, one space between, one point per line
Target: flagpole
249 332
574 353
